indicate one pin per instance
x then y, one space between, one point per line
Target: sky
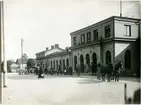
42 23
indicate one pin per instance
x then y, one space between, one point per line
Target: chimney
56 45
52 47
46 48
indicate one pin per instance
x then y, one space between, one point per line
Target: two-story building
109 41
53 57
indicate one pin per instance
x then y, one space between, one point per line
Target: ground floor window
128 59
108 57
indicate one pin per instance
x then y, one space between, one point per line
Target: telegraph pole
4 59
0 59
120 8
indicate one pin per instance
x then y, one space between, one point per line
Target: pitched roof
19 61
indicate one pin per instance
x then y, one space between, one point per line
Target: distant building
42 57
22 63
14 68
62 59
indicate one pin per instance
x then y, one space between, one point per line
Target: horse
106 70
117 70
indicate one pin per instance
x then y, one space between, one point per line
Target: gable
55 50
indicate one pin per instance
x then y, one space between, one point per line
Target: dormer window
107 31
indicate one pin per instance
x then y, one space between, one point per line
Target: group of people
66 71
109 72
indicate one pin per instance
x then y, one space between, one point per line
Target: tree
30 63
9 62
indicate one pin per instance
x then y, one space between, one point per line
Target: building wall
40 54
121 48
101 32
87 50
58 58
24 65
107 47
120 29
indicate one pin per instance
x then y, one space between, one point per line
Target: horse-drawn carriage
110 71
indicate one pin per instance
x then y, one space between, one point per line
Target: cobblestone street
64 90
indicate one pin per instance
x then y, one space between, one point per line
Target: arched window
54 64
60 64
128 59
94 58
88 59
108 57
67 62
82 63
75 62
63 64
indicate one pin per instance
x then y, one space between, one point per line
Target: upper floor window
83 38
128 30
95 34
74 41
88 36
107 31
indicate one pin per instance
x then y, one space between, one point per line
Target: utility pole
120 8
4 59
22 52
0 59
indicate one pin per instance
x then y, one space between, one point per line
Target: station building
108 41
111 40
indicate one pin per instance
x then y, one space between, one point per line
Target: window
128 30
51 64
54 64
83 38
108 57
107 31
128 59
74 41
88 36
95 34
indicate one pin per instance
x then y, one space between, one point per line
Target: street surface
64 90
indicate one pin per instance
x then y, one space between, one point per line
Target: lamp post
0 59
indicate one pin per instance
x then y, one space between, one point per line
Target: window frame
107 34
95 36
88 37
127 30
82 37
74 41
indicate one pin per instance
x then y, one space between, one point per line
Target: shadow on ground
88 81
